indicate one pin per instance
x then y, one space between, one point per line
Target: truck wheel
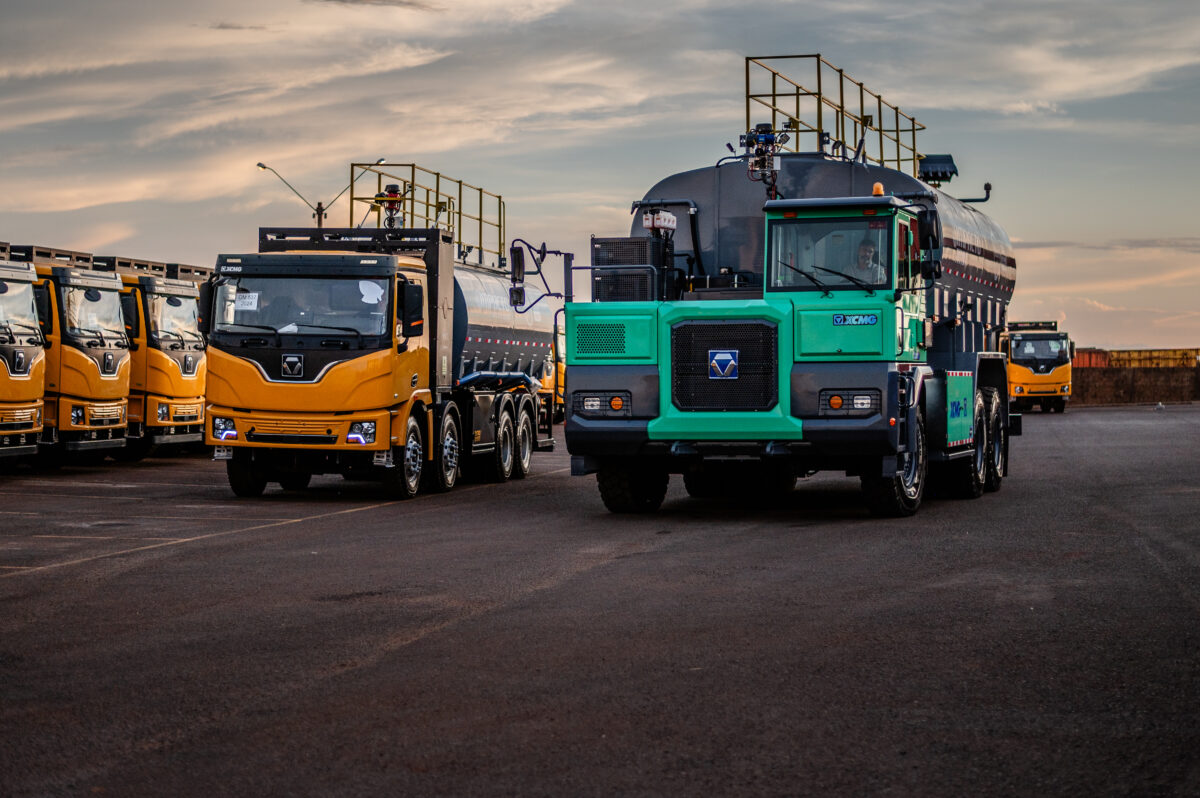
700 482
404 480
447 452
523 463
900 496
997 449
245 479
632 490
968 474
296 481
501 461
1060 405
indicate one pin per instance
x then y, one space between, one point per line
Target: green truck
847 320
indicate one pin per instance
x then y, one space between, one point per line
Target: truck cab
87 360
1039 365
22 360
168 365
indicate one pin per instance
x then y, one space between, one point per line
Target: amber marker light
616 403
877 190
891 422
835 402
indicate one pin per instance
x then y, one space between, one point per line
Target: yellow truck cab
372 353
167 374
22 360
87 353
1039 365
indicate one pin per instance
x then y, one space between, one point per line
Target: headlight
361 432
39 417
849 402
77 415
224 429
610 404
1018 389
164 411
1066 389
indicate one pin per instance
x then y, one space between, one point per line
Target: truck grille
756 386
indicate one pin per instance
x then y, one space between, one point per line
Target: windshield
290 304
1025 348
173 316
17 311
92 311
823 254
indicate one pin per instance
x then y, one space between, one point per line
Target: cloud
414 4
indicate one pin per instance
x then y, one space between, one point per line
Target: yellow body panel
1038 386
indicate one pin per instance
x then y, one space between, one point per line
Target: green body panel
612 332
777 423
818 337
960 407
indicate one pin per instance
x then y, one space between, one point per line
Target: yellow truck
167 374
1039 365
377 353
22 360
86 352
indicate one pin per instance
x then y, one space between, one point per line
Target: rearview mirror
516 257
516 296
204 308
929 229
413 319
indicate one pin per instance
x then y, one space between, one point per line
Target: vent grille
600 339
621 251
757 384
623 285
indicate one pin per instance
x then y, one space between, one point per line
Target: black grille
318 440
757 384
623 285
624 251
600 338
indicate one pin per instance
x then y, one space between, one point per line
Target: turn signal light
616 403
835 402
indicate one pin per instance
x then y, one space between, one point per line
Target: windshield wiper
88 331
358 337
8 328
863 284
811 277
162 332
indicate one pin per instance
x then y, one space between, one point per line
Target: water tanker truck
376 353
846 318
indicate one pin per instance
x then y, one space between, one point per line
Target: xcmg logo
722 364
854 320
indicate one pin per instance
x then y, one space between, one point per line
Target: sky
132 127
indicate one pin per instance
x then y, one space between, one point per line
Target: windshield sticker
371 292
246 301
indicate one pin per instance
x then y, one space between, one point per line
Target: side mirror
516 296
129 310
204 308
413 318
931 269
1072 346
929 229
516 257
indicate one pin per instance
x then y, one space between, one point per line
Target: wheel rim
506 446
911 477
450 451
525 440
412 460
980 445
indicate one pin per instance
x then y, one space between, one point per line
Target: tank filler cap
877 190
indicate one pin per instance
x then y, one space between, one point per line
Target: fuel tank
977 255
489 334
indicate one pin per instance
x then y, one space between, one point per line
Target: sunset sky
133 127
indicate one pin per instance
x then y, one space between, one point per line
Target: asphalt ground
160 637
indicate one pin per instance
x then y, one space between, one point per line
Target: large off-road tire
295 481
447 452
245 478
500 463
701 482
997 451
526 435
900 496
403 480
627 489
968 475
